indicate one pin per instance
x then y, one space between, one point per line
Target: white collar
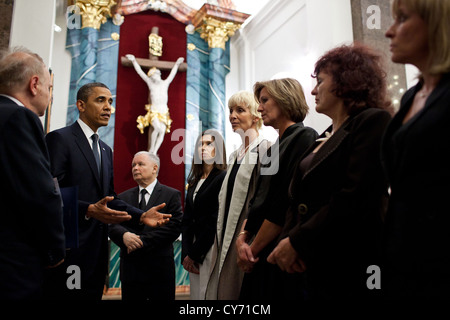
13 99
88 132
150 187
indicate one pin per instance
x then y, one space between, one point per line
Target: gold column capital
94 12
217 32
216 25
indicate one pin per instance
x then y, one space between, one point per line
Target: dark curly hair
358 76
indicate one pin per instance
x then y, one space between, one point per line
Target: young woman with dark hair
201 207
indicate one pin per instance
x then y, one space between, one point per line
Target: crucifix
157 116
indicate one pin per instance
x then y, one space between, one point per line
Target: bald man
31 227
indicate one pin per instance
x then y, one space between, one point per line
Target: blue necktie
95 151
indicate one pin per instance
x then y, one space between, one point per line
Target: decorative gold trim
191 47
145 121
217 32
155 44
115 36
94 12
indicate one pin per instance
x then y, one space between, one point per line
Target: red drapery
133 94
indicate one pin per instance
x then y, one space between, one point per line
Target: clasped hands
284 255
101 212
190 265
245 256
132 241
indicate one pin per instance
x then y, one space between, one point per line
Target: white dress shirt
13 99
88 132
149 189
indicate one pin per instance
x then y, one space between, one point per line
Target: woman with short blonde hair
246 98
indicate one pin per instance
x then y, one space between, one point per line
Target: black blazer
271 200
31 227
157 241
73 164
334 221
200 217
416 157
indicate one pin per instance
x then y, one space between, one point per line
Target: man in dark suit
31 228
79 158
146 251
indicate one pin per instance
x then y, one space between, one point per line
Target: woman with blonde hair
237 189
416 156
283 106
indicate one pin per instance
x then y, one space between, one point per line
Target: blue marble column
106 71
94 59
205 92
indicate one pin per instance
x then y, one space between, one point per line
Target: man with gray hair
147 251
31 231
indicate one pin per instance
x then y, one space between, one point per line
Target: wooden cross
153 60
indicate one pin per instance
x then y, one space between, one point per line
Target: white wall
285 39
32 26
61 65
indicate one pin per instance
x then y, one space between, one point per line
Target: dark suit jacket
200 217
31 227
417 161
334 222
154 263
271 200
73 164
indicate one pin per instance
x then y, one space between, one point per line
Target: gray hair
153 157
17 66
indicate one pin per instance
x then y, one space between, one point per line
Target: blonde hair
288 94
246 99
436 15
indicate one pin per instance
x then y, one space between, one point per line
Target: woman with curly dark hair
338 192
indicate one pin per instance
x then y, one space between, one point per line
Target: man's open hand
101 212
153 218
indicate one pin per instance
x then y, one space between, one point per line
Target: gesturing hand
101 212
153 218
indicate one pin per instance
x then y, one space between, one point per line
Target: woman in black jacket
201 207
282 106
337 194
416 155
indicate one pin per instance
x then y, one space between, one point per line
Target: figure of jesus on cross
158 111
